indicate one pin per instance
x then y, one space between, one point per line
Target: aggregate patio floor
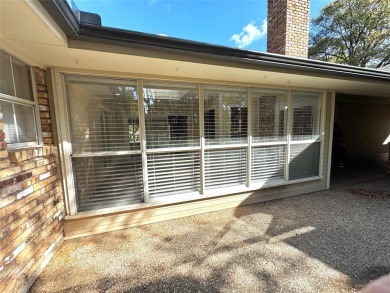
330 241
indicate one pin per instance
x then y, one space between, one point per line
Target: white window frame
34 104
321 130
71 201
173 149
284 143
65 142
225 87
225 146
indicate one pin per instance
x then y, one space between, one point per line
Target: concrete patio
330 241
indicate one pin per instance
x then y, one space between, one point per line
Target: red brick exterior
31 204
288 27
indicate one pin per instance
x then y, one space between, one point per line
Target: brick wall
288 27
31 204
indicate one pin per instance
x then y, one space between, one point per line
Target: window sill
22 147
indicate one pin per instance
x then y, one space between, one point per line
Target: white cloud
151 2
250 33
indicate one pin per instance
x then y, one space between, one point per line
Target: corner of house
31 202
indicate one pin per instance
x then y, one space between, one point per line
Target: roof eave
64 16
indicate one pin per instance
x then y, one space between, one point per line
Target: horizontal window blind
17 102
306 111
225 115
26 123
171 115
15 78
6 79
269 116
103 115
304 160
173 173
104 120
22 78
268 163
108 181
224 168
9 122
19 123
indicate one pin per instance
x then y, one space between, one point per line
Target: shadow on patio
332 241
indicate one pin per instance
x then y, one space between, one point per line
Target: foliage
354 32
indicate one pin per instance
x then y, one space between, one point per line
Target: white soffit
24 22
97 62
120 64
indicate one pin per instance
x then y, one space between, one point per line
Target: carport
361 138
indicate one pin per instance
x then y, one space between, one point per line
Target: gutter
63 14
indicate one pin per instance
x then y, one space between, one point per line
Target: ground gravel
331 241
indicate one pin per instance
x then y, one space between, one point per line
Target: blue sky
233 23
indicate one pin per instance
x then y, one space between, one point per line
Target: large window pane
224 168
25 129
18 116
304 160
173 173
25 122
103 115
22 80
171 115
108 181
269 116
268 163
9 122
225 115
306 111
6 81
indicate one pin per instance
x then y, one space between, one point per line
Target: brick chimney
288 27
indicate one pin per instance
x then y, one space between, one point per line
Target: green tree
354 32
